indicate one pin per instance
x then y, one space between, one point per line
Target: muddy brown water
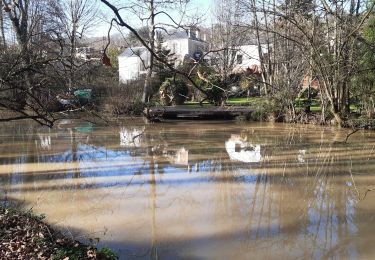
198 190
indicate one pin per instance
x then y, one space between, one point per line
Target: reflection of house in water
182 157
68 133
44 141
239 150
130 137
301 156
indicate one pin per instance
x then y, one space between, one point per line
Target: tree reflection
239 190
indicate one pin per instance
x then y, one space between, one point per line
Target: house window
239 59
193 34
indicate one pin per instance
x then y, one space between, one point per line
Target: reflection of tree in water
288 198
308 204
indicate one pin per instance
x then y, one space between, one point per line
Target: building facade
184 45
247 56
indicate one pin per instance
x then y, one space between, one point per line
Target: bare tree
21 18
227 36
26 74
315 38
149 12
76 17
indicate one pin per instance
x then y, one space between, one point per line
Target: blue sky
195 7
202 4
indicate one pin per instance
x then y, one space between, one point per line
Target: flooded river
198 190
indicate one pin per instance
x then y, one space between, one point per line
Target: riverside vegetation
24 235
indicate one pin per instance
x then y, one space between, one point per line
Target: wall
129 68
250 56
179 47
195 46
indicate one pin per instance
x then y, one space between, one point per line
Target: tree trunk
20 25
260 51
147 89
73 52
2 29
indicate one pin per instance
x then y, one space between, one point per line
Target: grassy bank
24 235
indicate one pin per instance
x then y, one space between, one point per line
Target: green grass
258 101
241 101
193 104
315 109
253 101
231 101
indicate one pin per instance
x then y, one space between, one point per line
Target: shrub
173 91
263 111
214 87
125 99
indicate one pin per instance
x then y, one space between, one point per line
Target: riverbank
24 235
260 113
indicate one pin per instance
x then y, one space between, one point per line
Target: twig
350 134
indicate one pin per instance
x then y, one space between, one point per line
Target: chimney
205 37
189 32
197 34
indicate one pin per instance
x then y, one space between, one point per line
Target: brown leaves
106 60
25 236
22 236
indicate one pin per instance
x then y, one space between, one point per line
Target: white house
184 44
247 56
132 63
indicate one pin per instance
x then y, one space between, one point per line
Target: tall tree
76 17
157 15
317 36
364 81
227 35
26 17
2 26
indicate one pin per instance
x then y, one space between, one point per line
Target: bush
260 114
214 87
173 91
124 100
263 111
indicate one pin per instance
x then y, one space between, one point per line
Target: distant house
247 57
87 53
132 64
184 44
313 82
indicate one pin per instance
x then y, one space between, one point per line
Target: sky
195 7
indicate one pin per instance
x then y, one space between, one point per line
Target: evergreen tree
364 82
161 70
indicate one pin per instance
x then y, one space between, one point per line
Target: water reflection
44 142
167 191
130 137
240 150
181 157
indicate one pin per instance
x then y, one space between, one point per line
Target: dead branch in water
351 133
356 129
